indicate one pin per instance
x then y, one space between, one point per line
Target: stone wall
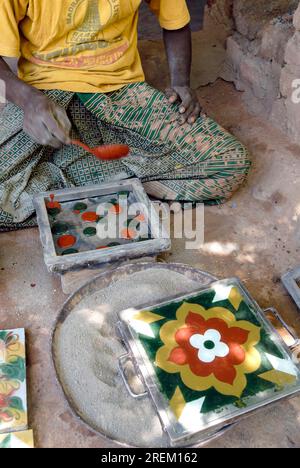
263 59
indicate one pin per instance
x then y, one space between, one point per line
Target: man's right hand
46 122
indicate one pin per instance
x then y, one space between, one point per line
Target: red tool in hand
105 152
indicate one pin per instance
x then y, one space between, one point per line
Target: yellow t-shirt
80 45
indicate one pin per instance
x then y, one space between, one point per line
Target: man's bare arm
46 122
178 45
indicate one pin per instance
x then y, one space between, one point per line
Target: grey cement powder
88 351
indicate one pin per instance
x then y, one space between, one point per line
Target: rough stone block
252 16
263 60
288 76
297 18
278 115
261 76
275 37
293 120
292 54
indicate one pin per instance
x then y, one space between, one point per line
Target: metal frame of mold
160 241
290 282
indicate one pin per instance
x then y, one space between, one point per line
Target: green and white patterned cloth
199 163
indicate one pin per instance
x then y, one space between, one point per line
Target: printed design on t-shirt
88 36
92 24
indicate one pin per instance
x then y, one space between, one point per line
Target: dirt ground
255 236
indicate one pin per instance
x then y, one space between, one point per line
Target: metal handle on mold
277 315
122 361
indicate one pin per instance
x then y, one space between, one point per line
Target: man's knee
245 158
237 159
237 164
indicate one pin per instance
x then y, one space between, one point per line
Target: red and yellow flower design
210 349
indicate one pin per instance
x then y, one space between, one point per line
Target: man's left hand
190 108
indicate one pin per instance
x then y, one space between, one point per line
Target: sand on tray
87 350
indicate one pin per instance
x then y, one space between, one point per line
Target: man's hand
190 108
46 122
178 45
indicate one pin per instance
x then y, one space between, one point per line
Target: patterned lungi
198 163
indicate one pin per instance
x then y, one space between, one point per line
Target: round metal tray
101 282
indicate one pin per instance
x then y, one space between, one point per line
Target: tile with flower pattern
213 355
13 395
17 440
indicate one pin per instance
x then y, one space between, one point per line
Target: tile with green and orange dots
98 224
81 225
13 393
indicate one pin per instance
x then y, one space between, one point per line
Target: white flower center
210 346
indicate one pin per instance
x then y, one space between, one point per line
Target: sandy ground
255 236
